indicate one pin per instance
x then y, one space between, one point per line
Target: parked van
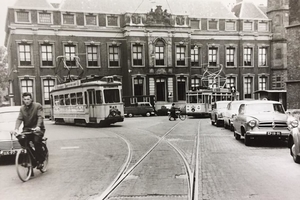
140 108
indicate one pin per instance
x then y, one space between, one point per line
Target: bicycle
178 114
25 159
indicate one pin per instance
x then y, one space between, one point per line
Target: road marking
75 147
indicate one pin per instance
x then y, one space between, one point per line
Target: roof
270 91
261 102
33 4
193 8
248 10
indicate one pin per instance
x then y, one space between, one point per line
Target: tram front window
112 96
193 99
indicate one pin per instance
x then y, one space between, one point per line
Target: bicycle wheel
45 163
23 165
182 117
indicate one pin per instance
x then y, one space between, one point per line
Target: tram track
190 170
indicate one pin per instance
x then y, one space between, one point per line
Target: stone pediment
158 17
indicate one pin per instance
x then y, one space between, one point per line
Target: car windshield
221 105
264 107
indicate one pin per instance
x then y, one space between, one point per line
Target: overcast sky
6 3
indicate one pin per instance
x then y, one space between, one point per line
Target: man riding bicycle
31 114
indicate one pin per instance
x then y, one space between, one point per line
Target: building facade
293 43
164 49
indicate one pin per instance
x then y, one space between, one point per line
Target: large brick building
293 41
157 49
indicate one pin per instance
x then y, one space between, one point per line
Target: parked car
294 136
230 112
260 118
8 142
163 111
141 108
217 113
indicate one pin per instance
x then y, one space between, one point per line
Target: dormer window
44 18
248 26
112 20
22 16
68 19
213 24
263 26
91 20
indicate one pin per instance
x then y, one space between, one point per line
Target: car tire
296 158
130 115
148 114
212 123
236 135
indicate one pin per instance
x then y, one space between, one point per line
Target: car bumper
271 133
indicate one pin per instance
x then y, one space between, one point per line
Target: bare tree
3 68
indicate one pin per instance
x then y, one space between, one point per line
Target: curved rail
192 175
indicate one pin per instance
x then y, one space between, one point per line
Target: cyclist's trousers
37 141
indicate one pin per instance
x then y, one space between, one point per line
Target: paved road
84 162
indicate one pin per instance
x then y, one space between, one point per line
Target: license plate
273 133
10 152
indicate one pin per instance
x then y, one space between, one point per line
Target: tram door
91 105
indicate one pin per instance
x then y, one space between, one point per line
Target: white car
217 113
8 142
260 119
230 112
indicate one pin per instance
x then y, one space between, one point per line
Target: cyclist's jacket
32 116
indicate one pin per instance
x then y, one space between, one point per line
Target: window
70 52
181 88
92 56
68 19
138 86
278 82
195 24
262 26
73 98
79 98
44 18
99 98
159 53
114 56
160 89
248 26
262 83
25 54
137 54
278 53
248 56
213 24
212 56
262 56
112 20
112 96
23 17
91 20
180 55
48 85
27 85
230 56
248 82
230 26
195 56
47 54
230 82
195 83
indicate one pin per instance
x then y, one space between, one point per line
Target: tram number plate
273 133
